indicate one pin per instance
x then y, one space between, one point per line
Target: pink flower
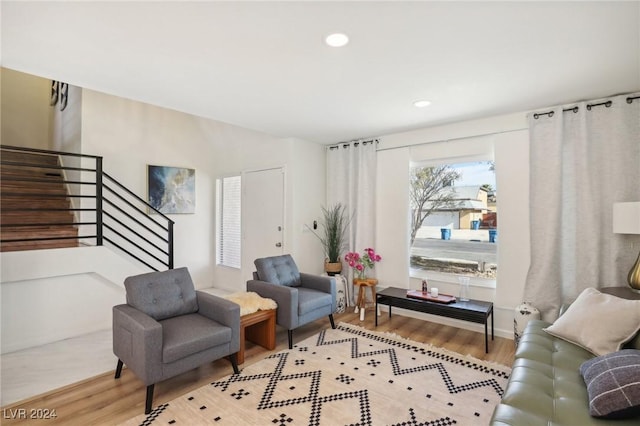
361 263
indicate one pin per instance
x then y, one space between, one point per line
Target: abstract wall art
172 189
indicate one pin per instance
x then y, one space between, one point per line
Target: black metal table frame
466 311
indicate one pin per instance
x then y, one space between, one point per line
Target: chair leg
333 324
234 362
290 332
149 401
119 368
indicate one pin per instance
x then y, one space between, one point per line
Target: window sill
421 274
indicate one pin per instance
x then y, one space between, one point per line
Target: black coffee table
473 310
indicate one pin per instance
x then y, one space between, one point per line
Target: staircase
34 205
37 187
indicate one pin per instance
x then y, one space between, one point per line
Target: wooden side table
361 303
259 328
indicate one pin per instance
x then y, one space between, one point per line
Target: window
454 219
228 216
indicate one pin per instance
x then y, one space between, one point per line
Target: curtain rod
355 143
453 139
575 109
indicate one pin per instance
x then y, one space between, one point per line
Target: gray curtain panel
581 163
351 180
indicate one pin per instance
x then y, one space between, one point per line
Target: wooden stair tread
13 218
32 171
25 194
37 245
29 157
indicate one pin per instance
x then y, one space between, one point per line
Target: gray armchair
167 328
301 297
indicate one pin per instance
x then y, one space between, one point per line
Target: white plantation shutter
229 221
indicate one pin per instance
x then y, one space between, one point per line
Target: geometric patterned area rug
346 376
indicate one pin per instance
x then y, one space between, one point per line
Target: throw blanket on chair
251 302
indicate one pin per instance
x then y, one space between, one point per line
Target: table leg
357 309
376 311
373 295
492 323
486 336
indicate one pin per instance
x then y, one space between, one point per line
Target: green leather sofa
545 387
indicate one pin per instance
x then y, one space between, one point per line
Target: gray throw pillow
613 384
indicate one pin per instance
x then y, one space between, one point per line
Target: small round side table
361 303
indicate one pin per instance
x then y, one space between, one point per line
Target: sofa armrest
137 341
222 311
285 297
321 283
318 282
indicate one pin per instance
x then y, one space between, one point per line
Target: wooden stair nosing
39 158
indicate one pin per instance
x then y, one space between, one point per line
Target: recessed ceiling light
337 40
421 104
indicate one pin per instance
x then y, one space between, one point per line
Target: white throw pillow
599 322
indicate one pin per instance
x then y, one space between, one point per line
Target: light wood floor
101 400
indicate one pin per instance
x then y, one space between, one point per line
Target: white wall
308 192
67 124
509 138
50 295
130 135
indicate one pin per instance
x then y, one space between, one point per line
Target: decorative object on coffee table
424 295
464 288
626 220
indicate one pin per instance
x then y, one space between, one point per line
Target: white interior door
262 216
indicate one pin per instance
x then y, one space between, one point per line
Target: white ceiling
264 66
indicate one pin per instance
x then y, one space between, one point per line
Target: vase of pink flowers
359 264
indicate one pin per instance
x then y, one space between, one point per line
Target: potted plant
333 237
